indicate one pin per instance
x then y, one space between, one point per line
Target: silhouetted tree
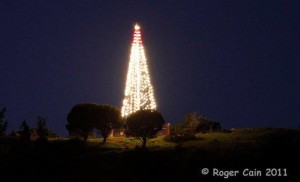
215 126
24 132
52 134
144 124
79 120
191 121
202 124
41 129
105 118
193 124
180 132
86 116
3 125
13 134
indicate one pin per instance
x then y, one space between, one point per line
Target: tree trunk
104 139
144 142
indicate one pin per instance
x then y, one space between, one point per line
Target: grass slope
120 160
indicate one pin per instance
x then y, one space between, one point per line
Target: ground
121 160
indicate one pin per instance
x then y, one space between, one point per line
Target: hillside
120 160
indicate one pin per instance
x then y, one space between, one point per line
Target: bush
180 133
201 124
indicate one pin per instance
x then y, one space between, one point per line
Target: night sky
236 62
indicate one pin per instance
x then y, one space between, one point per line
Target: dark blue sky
236 62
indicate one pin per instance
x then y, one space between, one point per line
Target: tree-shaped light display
138 92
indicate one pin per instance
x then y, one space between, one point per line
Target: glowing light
138 90
136 27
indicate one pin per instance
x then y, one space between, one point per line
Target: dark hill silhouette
76 160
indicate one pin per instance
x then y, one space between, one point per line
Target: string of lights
138 90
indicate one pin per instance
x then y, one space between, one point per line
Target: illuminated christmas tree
138 92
